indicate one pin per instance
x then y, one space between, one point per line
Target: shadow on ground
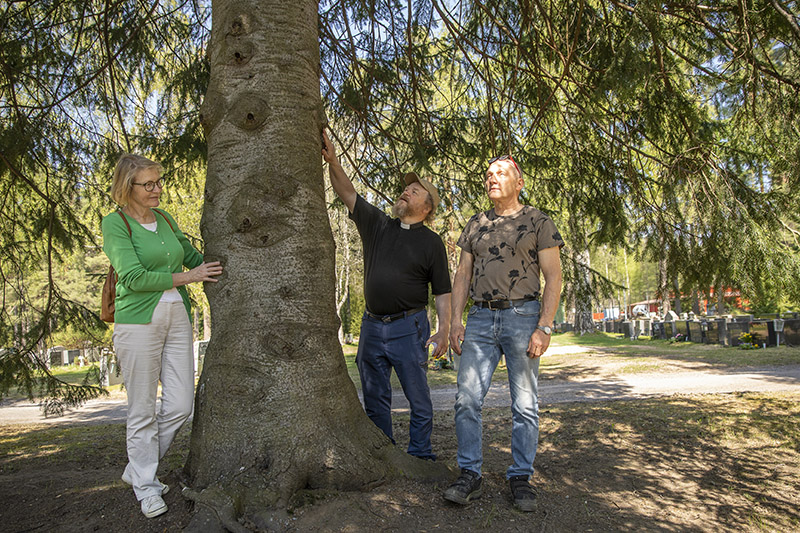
683 463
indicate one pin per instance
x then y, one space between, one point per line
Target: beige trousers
147 353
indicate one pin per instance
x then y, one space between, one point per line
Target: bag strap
165 218
130 234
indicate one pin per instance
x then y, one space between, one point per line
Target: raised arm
458 299
342 185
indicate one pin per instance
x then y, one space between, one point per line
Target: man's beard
400 209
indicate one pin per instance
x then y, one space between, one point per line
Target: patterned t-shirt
506 252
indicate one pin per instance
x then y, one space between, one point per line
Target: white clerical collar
405 226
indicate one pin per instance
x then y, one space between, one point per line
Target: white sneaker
153 506
126 479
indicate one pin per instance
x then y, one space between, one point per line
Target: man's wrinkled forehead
507 167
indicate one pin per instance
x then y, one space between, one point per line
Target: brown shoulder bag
110 287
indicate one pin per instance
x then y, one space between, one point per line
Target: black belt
494 305
392 318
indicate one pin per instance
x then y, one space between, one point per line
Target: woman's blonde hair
128 166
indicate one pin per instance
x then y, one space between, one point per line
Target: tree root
214 512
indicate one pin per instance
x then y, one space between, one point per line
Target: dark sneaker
522 493
465 489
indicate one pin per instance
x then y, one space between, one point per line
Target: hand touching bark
204 272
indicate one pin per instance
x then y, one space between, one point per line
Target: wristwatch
547 329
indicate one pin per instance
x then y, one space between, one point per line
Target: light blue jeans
490 334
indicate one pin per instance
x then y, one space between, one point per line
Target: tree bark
583 294
343 277
663 287
275 411
677 286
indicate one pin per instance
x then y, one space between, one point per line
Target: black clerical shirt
398 263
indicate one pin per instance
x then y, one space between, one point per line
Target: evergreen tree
674 124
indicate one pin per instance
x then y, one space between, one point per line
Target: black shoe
466 488
522 493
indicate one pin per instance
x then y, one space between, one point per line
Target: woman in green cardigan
152 332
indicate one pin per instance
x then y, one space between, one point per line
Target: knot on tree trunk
238 50
249 111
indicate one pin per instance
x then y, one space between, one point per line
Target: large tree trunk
275 411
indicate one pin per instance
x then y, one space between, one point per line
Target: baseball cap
411 177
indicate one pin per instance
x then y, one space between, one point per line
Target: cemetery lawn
75 375
728 462
573 356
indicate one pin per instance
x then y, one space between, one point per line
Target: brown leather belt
494 305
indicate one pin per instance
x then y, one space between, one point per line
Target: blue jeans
400 345
490 334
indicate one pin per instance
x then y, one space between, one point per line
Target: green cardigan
145 262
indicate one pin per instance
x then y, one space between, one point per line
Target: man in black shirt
401 257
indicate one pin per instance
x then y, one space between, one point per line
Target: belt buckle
491 308
386 319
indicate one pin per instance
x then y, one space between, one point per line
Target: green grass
436 378
640 356
616 345
72 374
640 367
592 339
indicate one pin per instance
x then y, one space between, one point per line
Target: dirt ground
688 463
681 463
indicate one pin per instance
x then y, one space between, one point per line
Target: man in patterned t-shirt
503 252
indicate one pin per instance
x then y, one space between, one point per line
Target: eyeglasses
506 158
150 185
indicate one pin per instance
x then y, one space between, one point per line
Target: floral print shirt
506 251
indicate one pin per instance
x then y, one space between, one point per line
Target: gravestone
109 372
791 332
694 331
200 348
682 327
760 332
72 356
735 329
711 333
57 356
721 326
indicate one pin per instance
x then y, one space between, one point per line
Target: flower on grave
748 341
679 337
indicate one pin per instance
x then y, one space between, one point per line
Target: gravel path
626 386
